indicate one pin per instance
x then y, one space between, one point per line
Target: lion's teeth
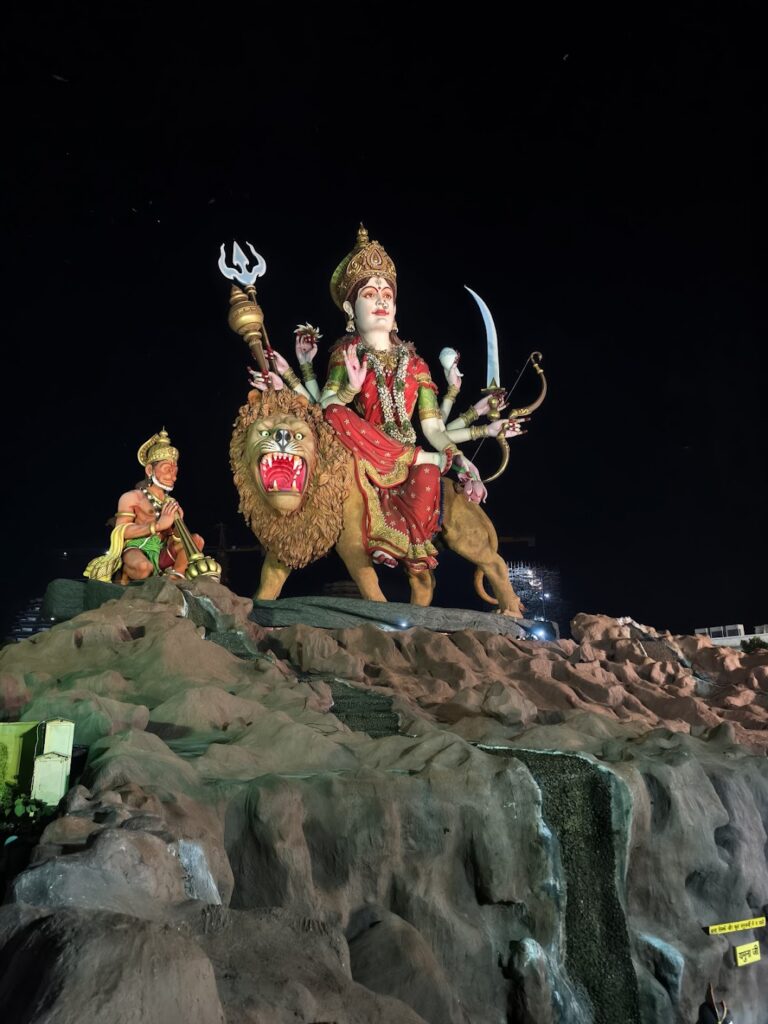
274 486
294 486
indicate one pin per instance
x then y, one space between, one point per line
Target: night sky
600 183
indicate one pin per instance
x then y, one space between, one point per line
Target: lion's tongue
281 476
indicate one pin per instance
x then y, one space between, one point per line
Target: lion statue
298 495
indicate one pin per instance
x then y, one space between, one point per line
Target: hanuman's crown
157 449
367 259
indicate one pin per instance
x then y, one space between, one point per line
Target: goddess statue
375 384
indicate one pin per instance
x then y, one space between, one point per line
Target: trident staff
246 316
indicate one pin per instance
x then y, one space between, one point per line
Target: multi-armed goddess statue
342 465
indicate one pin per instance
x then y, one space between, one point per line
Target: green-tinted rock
94 716
364 710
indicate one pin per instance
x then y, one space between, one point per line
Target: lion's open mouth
282 472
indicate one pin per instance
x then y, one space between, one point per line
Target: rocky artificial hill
307 824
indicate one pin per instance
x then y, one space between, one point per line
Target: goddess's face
375 306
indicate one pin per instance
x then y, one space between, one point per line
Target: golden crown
367 259
157 449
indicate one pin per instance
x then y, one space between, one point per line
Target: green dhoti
151 547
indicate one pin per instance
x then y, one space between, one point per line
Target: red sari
401 499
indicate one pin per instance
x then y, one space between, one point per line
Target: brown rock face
586 628
274 965
390 956
532 831
122 871
14 694
106 966
438 847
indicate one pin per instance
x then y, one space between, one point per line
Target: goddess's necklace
396 422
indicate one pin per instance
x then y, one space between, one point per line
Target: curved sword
493 376
493 382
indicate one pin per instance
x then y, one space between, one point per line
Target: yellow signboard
736 926
746 954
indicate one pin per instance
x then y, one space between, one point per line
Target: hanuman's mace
198 563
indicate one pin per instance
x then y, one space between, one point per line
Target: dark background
600 181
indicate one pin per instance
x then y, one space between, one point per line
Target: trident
246 317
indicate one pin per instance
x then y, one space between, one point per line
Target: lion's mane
310 532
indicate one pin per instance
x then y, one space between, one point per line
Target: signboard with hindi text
736 926
749 953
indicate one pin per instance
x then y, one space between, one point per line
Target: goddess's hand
469 478
452 374
510 428
482 408
356 369
258 380
307 338
280 364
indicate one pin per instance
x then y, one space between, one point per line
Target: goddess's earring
350 326
394 326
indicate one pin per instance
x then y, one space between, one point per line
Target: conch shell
448 358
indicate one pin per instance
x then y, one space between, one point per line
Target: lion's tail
480 587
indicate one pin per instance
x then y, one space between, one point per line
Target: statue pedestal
348 612
64 599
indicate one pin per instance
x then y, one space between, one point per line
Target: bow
493 386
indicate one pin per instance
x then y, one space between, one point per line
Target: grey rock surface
64 599
343 612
